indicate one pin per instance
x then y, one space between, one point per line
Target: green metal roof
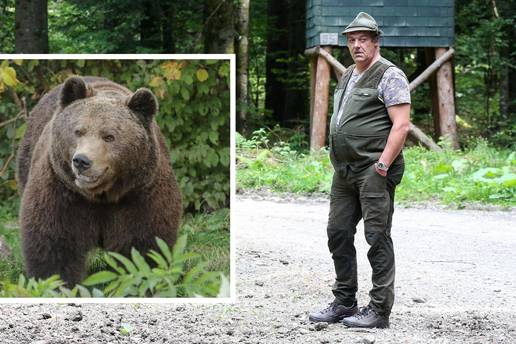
423 23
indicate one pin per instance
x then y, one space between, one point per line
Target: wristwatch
382 166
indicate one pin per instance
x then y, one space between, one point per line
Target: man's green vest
361 134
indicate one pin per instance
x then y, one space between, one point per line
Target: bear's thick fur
93 171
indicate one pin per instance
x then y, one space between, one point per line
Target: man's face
362 46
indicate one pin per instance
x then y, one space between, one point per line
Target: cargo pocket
361 98
375 211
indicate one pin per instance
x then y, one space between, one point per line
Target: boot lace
364 312
331 307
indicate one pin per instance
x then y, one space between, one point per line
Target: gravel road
456 283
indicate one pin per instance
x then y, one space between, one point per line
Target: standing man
367 131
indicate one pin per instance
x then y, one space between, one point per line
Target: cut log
320 112
432 68
338 67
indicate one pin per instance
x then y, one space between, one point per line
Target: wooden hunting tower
405 24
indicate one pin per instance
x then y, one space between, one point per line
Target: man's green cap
363 22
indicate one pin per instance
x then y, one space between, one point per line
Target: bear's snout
81 162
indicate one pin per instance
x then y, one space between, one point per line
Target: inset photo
115 177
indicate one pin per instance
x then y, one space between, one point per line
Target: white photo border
232 128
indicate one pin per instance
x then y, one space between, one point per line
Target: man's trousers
368 195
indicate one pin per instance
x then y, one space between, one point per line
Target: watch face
382 166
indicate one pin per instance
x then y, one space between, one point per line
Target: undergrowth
481 174
195 267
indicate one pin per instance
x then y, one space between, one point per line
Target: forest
269 39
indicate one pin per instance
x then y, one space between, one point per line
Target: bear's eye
78 132
108 138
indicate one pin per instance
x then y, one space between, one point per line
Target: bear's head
103 143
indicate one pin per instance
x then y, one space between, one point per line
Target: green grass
482 174
208 235
11 267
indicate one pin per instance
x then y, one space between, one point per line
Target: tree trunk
277 47
507 73
150 26
219 28
169 11
297 98
286 66
430 58
242 63
31 26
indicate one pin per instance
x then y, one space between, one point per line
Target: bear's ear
143 103
73 89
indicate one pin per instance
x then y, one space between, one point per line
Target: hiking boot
367 317
333 313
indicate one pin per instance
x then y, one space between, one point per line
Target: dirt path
456 283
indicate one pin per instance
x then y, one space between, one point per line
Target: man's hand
380 172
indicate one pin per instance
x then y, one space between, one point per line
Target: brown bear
93 171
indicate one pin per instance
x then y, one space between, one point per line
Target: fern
134 277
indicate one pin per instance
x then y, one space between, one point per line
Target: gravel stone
368 340
77 316
45 316
320 326
418 300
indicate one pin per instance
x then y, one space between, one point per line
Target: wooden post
445 94
313 69
320 107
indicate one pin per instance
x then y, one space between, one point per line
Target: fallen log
417 135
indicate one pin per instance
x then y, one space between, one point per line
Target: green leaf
187 78
185 94
97 293
113 264
99 278
139 261
163 246
20 131
129 266
459 165
202 74
111 287
158 258
179 248
83 292
214 137
486 174
8 76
